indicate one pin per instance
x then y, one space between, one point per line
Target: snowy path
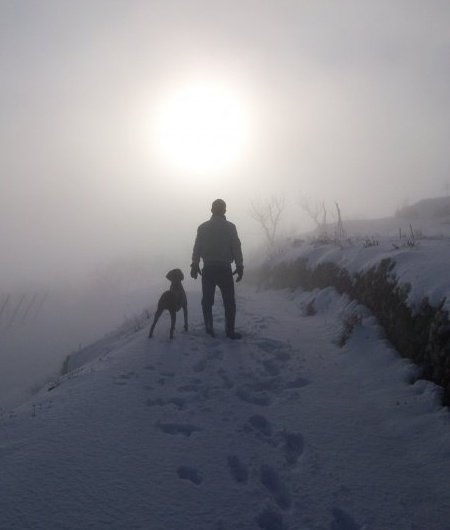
282 430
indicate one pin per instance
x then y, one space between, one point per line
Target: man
218 245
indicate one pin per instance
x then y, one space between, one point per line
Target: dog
173 300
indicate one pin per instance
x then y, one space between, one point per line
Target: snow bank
404 281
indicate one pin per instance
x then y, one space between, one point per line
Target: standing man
218 244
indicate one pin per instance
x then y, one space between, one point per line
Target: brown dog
173 300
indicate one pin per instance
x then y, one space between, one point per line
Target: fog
344 100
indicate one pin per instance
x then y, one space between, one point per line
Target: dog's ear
175 275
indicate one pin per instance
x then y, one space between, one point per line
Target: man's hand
239 272
195 270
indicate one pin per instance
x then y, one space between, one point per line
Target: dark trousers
218 276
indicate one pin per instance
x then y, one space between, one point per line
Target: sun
201 127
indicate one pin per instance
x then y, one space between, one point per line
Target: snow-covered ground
33 346
284 429
425 267
310 422
417 240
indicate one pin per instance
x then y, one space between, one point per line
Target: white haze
349 102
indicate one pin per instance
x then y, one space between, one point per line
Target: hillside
286 429
313 421
428 218
399 273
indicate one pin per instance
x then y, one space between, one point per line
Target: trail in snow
282 430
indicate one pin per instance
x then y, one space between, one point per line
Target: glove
195 270
239 272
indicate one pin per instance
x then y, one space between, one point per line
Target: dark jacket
217 243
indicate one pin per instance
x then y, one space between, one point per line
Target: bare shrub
317 213
371 242
408 239
349 323
267 214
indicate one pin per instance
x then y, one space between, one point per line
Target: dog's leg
173 319
185 312
155 320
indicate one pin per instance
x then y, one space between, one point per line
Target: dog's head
175 275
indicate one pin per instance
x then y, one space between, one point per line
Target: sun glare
201 127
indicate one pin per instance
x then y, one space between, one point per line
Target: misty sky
345 100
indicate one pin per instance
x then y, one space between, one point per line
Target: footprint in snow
270 520
293 447
270 345
228 383
193 386
200 366
343 521
272 482
261 323
185 429
270 384
190 473
123 378
261 424
190 388
167 374
283 356
180 403
238 469
216 354
297 383
254 398
271 367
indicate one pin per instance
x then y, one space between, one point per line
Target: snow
424 266
311 422
284 429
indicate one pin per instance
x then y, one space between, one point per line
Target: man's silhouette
218 245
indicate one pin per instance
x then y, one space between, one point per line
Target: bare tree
30 304
340 230
4 306
318 214
16 310
268 214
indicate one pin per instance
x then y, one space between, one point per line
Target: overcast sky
345 100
